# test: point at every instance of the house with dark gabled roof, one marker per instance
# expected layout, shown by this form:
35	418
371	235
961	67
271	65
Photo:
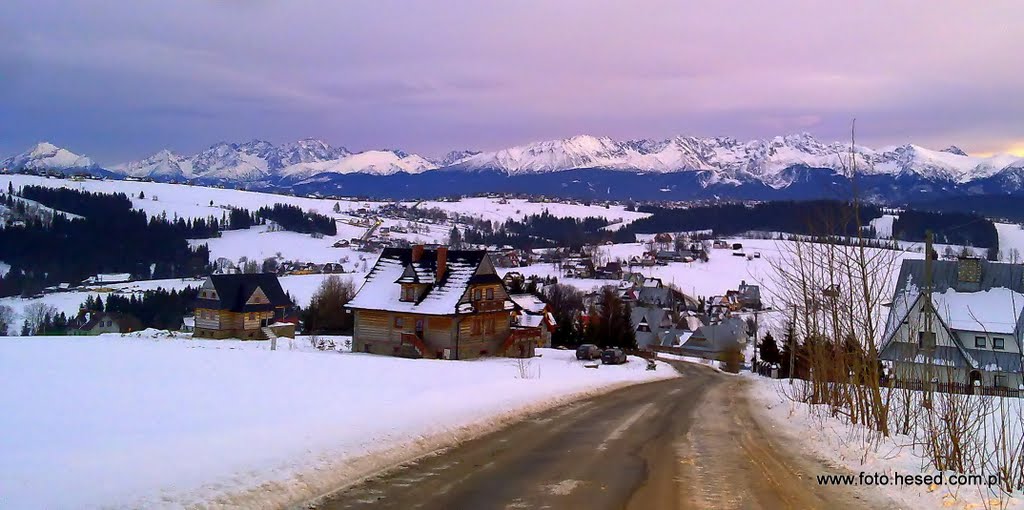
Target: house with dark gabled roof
959	322
434	303
249	306
97	323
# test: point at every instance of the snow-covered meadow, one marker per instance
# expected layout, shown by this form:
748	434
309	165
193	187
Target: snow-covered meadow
188	201
143	422
301	287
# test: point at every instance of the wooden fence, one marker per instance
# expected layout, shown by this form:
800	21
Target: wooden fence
956	388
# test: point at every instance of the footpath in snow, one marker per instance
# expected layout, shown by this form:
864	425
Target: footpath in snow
168	422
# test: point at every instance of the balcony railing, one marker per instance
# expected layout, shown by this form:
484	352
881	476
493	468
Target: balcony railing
493	305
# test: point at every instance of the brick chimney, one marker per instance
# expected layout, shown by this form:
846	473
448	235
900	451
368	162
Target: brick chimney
442	262
417	252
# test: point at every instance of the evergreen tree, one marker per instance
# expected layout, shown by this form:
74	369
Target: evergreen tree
142	195
769	351
455	238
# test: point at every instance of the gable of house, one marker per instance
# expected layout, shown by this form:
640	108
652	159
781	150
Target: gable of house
241	293
970	299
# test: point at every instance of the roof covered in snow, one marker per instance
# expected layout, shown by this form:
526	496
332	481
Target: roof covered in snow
968	296
995	310
382	290
728	335
529	302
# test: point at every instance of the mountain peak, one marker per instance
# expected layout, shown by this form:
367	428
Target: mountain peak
455	157
47	156
42	148
953	149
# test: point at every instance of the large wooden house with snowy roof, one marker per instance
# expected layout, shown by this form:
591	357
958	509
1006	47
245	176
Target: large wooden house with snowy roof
957	323
246	306
434	303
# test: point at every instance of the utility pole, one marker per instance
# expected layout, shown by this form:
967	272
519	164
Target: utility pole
792	347
927	336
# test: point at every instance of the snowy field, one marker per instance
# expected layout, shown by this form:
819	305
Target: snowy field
1011	242
840	444
302	287
194	201
493	210
141	422
257	244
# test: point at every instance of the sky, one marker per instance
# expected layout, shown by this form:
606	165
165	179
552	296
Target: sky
119	80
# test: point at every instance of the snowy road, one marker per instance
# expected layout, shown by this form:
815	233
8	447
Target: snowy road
691	442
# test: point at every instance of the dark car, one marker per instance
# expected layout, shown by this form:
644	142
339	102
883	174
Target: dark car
613	356
588	352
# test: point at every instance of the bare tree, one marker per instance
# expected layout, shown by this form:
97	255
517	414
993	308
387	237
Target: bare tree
7	316
37	315
326	313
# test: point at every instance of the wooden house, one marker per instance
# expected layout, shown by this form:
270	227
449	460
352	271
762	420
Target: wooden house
532	319
247	306
434	303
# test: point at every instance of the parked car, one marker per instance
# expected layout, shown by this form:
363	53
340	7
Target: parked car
588	352
613	356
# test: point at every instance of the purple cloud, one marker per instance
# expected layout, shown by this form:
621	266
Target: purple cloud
119	82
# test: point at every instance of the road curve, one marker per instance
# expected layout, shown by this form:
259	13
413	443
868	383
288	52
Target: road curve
690	442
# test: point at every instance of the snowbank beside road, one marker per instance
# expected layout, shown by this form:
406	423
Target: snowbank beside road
139	422
841	444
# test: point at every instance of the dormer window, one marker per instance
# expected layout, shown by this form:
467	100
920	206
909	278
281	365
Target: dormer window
408	293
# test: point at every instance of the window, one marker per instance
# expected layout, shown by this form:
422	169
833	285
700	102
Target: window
999	381
925	339
409	293
252	316
475	327
979	341
489	326
998	343
490	293
476	294
399	322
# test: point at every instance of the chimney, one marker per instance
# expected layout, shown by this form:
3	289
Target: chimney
442	262
417	252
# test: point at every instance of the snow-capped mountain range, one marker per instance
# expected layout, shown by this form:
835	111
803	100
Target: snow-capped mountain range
713	164
260	161
730	160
